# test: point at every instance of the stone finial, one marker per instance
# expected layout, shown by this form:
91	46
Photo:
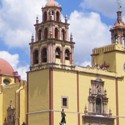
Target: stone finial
37	20
85	110
32	39
66	19
110	112
105	93
71	37
119	14
90	91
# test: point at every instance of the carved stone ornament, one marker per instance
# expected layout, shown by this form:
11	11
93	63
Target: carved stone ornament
97	113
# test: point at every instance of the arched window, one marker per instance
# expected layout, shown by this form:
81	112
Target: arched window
35	57
45	33
45	16
39	34
56	33
57	16
63	34
67	54
58	53
51	13
44	55
98	106
116	37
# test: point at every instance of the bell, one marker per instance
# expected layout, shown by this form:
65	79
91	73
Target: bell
57	53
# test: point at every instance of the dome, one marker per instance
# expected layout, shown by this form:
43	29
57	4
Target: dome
52	3
119	21
5	67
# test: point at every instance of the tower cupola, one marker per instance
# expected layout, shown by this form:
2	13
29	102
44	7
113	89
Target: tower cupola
52	3
118	30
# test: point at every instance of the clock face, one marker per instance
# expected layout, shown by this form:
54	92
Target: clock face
6	81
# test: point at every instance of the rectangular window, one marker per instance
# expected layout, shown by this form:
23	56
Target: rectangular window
64	102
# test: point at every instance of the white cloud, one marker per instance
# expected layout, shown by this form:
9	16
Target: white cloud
22	71
106	7
86	63
14	61
17	37
17	19
89	32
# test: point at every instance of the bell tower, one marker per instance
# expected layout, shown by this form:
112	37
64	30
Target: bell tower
102	57
118	30
51	50
52	45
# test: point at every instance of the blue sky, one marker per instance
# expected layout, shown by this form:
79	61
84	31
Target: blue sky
90	21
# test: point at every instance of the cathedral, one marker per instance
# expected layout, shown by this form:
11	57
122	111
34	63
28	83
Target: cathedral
58	92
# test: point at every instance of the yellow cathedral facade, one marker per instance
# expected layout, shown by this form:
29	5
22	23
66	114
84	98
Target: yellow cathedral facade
58	92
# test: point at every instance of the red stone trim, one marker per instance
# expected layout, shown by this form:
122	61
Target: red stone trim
78	98
51	113
27	98
117	104
19	109
0	79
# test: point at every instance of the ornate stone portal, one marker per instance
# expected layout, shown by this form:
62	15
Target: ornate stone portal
97	113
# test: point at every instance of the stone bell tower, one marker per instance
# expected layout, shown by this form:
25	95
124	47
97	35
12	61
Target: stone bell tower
118	30
50	49
102	57
52	45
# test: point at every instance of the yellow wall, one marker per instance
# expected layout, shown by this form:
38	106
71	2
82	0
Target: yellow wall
21	105
38	88
120	61
121	101
64	83
1	108
108	58
39	119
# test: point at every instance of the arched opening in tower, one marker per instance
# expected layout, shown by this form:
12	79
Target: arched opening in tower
58	53
57	16
35	57
67	54
39	34
63	34
45	16
44	55
56	33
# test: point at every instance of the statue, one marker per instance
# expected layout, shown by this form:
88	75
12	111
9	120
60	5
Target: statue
63	115
11	114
